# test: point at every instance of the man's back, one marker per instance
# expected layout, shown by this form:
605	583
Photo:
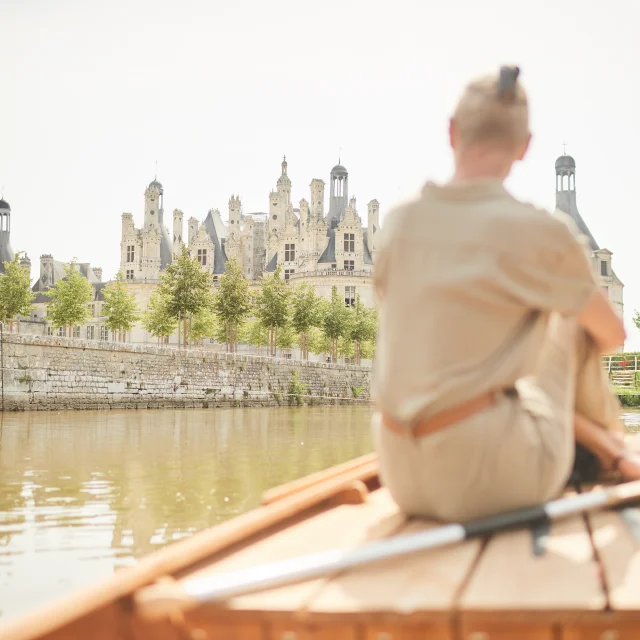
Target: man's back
458	274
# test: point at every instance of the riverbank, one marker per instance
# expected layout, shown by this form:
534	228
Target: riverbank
52	373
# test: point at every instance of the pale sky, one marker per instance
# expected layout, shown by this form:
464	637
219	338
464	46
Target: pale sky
93	93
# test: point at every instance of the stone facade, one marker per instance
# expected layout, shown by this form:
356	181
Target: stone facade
48	373
314	246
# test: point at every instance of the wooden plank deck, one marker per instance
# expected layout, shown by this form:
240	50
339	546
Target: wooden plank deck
493	590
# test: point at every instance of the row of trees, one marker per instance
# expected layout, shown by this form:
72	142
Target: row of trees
69	300
276	316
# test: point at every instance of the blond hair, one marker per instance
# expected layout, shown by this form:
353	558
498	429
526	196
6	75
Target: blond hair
493	108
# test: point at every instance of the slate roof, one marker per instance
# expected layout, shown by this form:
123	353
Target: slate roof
7	254
59	273
367	259
217	233
166	251
329	254
566	201
273	263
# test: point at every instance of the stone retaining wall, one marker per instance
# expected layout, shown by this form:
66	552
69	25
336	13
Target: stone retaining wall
51	373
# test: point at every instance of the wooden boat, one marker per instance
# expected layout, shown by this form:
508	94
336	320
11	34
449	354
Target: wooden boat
585	586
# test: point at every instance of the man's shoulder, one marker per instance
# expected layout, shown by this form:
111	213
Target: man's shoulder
539	221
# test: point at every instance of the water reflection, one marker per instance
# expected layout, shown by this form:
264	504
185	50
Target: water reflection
84	493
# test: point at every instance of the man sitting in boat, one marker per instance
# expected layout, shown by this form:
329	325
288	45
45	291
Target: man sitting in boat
492	325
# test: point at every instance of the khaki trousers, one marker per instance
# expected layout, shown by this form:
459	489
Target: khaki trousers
517	453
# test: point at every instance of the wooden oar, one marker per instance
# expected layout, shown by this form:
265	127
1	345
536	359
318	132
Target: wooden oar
158	600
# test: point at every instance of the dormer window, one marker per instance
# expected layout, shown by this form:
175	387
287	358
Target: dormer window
603	268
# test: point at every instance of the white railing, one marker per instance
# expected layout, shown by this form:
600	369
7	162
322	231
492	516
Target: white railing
621	362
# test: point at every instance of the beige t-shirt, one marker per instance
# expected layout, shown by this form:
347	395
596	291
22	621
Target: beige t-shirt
456	273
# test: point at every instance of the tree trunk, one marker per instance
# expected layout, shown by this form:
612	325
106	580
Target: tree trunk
184	330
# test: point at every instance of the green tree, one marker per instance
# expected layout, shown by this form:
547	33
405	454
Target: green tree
186	287
16	297
363	327
346	347
318	342
69	299
232	302
336	321
287	338
368	349
120	307
273	306
157	319
307	313
255	334
203	324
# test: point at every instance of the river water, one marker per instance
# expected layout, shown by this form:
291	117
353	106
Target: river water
83	493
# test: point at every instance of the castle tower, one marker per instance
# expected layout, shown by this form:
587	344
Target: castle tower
232	246
235	212
317	199
338	194
566	195
25	263
6	250
153	205
284	183
601	257
192	229
177	230
373	225
46	271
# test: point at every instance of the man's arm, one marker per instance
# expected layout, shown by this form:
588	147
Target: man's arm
601	321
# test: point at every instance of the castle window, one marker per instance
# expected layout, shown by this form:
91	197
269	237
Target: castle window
289	252
129	274
603	268
334	266
91	332
49	331
349	296
288	272
349	265
202	257
349	242
104	333
130	253
75	332
61	331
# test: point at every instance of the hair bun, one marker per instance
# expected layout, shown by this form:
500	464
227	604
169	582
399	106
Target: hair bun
507	83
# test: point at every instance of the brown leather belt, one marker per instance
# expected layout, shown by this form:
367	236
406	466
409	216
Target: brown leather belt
444	418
